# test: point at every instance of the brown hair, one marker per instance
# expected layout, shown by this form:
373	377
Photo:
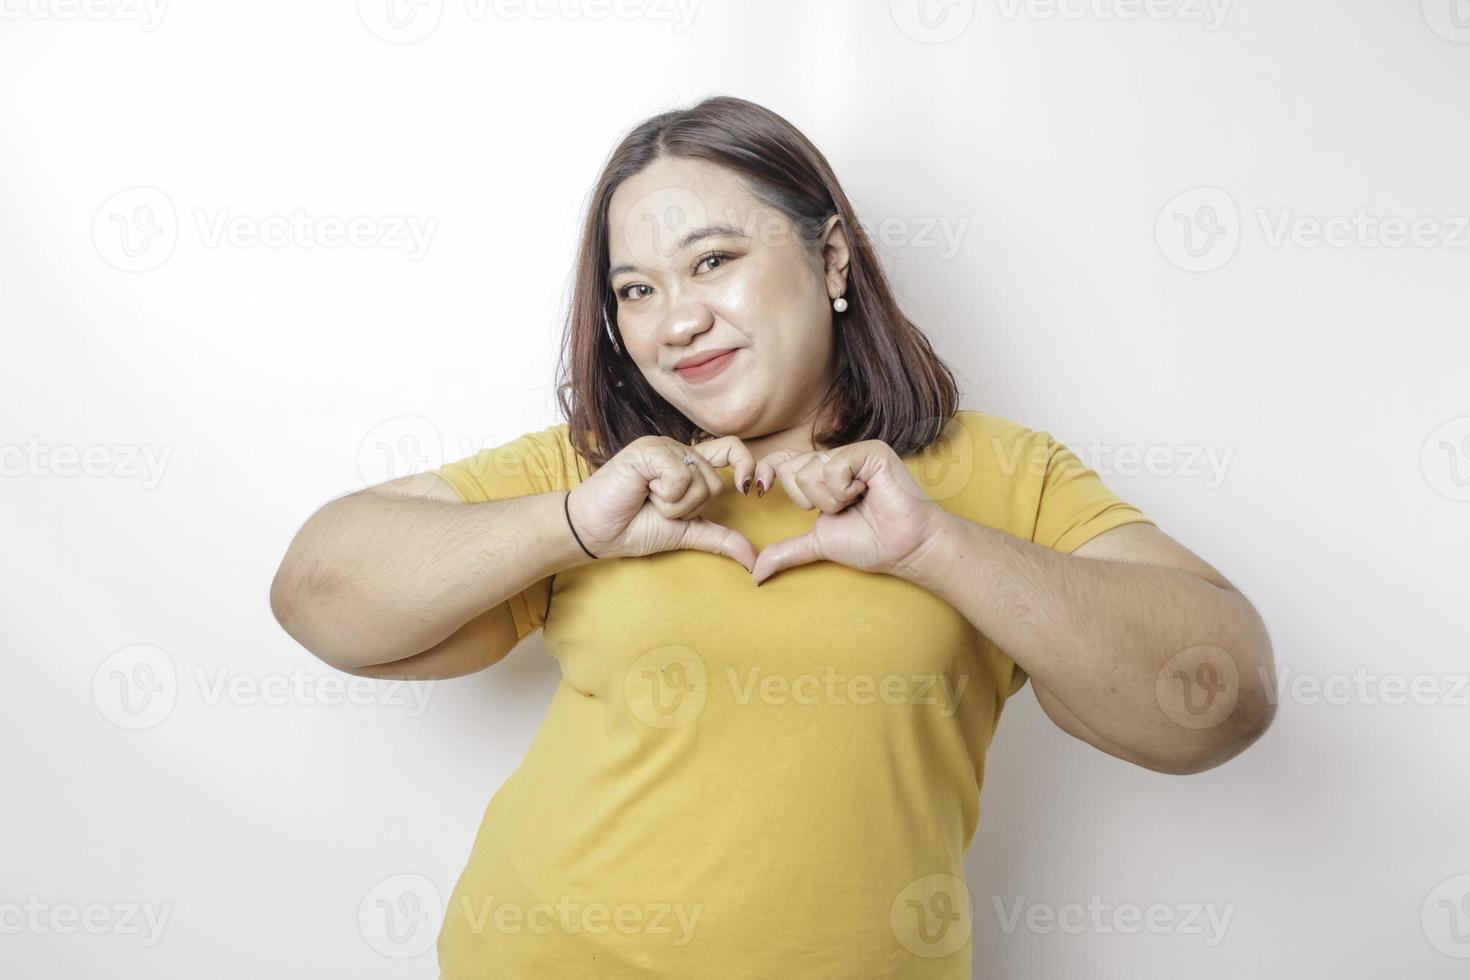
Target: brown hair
887	384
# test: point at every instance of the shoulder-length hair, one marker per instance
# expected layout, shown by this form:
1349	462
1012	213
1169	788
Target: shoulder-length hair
887	383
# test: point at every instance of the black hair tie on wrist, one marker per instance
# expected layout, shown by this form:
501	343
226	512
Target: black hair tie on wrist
566	507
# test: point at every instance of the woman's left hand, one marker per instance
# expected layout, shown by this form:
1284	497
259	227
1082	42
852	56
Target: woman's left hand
874	516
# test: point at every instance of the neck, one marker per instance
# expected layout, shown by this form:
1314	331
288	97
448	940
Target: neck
797	437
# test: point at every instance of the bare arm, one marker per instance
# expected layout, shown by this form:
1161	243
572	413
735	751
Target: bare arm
1133	643
405	579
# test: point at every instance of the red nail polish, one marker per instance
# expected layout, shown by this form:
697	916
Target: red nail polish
745	486
761	484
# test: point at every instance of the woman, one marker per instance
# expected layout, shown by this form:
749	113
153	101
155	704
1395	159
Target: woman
766	752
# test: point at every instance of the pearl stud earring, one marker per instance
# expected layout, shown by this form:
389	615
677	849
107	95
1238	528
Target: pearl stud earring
839	304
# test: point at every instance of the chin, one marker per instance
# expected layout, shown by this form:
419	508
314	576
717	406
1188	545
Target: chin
721	423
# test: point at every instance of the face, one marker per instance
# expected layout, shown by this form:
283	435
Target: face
700	266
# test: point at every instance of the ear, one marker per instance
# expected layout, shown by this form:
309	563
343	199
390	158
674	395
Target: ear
835	256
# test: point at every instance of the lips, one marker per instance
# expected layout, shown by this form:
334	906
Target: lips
697	359
708	367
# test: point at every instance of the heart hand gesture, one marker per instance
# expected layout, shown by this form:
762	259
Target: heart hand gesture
874	516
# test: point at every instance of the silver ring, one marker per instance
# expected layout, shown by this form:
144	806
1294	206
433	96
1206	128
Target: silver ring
688	460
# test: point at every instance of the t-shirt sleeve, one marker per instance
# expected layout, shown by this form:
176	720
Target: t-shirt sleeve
1073	507
536	462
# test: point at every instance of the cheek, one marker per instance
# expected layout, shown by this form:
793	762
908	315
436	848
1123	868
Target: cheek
793	307
772	294
640	342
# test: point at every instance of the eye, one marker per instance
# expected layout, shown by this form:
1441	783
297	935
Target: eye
722	257
718	258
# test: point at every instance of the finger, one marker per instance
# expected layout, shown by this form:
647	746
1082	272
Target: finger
730	451
713	485
786	472
827	478
667	481
812	477
786	553
682	488
706	470
702	534
766	472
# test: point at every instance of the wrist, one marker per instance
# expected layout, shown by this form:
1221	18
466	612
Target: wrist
929	563
584	547
566	504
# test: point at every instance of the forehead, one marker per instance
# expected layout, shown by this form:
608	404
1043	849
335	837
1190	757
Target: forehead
653	209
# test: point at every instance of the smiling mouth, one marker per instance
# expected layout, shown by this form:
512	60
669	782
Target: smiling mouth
707	369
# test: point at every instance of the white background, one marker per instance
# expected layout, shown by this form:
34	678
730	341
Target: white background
1052	143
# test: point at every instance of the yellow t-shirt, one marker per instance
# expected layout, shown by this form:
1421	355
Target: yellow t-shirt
747	782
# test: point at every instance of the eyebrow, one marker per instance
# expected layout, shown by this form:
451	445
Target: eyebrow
697	235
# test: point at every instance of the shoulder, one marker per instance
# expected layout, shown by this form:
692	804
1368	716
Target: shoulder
553	446
536	461
981	461
997	446
573	468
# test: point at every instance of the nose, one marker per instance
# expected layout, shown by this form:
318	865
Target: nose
687	318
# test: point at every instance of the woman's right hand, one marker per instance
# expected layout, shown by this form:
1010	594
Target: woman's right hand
646	500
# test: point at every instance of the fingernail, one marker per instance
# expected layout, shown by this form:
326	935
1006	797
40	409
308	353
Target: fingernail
762	485
746	485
